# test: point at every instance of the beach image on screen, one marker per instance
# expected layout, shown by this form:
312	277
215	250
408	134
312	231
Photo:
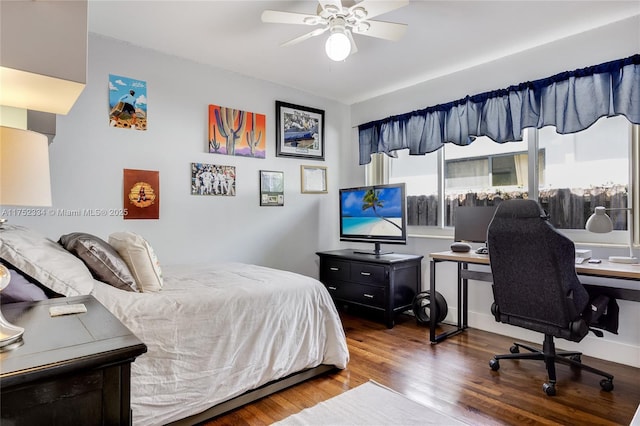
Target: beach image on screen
372	212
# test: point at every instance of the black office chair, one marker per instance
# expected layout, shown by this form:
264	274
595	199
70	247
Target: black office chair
535	286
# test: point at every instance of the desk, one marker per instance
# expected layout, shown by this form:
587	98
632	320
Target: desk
605	269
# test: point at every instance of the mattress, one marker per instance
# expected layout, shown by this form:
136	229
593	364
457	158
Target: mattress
216	331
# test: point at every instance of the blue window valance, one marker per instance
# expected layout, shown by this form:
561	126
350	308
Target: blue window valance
571	101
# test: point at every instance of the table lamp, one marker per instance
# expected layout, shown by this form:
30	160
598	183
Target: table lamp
24	181
600	222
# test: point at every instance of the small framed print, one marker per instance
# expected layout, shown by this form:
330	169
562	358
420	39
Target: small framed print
271	188
299	131
141	194
313	179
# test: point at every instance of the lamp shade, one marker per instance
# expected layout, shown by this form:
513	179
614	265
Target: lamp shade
23	89
43	66
24	168
599	222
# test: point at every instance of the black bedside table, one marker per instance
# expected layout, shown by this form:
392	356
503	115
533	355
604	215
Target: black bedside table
71	369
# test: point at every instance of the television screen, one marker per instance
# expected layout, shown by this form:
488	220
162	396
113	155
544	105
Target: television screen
374	214
471	223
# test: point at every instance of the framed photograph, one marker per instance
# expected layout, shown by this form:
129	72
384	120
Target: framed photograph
213	179
271	188
299	131
313	179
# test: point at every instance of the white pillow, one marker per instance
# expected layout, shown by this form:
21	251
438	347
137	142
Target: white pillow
45	261
140	258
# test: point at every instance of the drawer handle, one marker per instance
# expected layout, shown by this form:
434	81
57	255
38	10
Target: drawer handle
333	268
369	296
366	274
332	288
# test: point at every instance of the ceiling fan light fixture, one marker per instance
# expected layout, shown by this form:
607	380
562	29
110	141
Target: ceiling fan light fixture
338	46
342	19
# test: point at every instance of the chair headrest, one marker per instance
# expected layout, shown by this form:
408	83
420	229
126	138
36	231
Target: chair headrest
520	209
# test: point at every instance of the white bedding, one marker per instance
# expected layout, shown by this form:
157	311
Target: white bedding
218	330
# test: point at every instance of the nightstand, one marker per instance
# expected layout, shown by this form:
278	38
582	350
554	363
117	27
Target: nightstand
71	369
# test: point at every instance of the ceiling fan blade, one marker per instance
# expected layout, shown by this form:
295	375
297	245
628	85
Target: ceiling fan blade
277	17
380	29
304	37
376	7
337	4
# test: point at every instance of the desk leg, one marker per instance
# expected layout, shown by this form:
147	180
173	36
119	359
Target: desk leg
432	291
462	306
465	298
459	282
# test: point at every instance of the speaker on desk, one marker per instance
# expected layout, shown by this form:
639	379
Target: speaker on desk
460	247
422	307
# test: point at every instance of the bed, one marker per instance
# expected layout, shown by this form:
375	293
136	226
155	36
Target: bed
218	334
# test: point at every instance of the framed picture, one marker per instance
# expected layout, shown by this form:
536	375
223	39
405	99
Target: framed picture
313	179
237	132
299	131
141	194
127	103
271	188
213	179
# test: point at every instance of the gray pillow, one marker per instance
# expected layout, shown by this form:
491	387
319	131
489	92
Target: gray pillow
45	261
20	289
103	261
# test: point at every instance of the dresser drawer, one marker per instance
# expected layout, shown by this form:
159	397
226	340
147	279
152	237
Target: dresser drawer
368	274
333	269
357	293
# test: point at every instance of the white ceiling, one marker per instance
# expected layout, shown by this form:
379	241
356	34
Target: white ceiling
442	37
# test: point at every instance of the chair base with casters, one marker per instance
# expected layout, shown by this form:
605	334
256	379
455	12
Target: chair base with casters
550	357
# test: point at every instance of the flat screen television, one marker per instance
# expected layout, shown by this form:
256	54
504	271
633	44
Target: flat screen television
374	214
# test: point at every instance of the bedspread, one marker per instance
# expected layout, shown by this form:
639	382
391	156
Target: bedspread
218	330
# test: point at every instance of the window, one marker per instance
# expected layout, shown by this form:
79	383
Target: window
503	170
574	174
584	170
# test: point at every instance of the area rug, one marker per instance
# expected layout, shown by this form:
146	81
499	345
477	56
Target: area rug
369	404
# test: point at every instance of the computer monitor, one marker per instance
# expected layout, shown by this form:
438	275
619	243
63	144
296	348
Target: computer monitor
471	223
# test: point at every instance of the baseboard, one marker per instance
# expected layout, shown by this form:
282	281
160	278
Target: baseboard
597	347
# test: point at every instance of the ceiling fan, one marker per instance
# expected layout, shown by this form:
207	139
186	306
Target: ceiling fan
342	19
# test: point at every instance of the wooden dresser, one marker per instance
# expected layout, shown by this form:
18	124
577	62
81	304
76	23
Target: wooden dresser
386	283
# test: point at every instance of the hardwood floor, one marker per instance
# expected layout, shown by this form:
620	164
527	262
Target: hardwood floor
454	377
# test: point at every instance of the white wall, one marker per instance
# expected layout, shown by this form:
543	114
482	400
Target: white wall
88	157
608	43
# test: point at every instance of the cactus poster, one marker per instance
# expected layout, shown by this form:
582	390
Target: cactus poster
236	132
